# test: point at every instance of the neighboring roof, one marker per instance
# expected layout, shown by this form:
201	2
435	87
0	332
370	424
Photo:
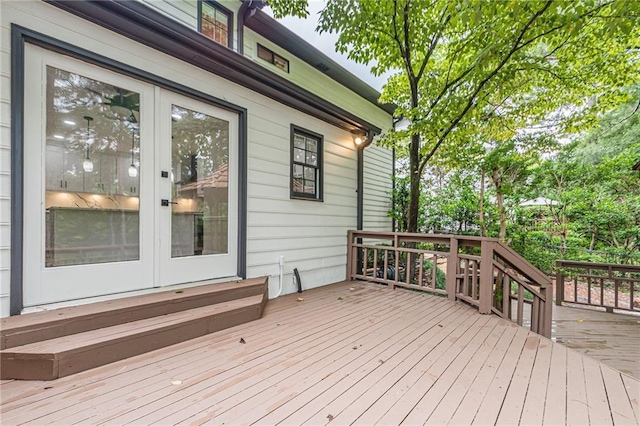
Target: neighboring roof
218	179
274	31
540	201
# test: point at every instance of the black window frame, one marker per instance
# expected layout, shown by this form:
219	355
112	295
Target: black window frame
274	55
220	8
318	196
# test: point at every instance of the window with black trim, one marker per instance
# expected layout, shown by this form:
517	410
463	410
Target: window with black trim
273	58
306	164
216	22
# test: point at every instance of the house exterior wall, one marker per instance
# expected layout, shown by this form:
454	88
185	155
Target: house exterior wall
310	235
300	72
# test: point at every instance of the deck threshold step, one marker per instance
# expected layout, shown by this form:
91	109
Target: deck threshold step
25	329
62	356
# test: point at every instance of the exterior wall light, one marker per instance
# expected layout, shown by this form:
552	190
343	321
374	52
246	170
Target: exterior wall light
358	140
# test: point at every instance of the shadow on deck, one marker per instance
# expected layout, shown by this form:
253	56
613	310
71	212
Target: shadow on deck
348	353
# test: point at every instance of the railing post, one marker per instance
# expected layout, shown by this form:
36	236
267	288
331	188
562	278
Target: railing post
548	311
349	255
486	277
559	284
452	268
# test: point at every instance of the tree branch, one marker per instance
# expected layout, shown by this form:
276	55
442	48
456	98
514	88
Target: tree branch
516	46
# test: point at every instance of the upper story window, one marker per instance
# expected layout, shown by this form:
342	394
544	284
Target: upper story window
273	58
306	164
216	22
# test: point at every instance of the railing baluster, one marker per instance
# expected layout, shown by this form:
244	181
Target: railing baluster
474	280
465	278
520	305
434	272
375	263
589	285
535	315
421	260
397	261
365	261
385	274
408	269
506	295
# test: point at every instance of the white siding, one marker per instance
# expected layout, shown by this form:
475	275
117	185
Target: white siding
310	235
184	11
378	168
300	73
315	81
5	172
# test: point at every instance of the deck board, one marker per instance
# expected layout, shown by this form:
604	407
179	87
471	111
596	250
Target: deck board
417	359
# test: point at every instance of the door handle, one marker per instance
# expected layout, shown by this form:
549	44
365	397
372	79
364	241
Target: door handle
165	203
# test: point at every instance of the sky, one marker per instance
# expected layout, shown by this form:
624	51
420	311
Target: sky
305	28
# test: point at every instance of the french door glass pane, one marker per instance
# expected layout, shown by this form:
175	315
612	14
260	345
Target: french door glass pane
92	171
199	180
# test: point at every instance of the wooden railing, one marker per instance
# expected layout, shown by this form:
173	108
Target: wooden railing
455	266
604	285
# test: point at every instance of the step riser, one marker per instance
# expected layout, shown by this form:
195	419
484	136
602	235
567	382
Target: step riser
24	367
66	327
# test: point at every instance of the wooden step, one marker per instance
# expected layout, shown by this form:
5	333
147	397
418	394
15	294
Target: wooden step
24	329
62	356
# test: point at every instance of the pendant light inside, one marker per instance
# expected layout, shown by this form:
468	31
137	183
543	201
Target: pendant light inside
87	164
133	170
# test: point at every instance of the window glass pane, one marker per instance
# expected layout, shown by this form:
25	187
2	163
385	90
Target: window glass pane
214	24
310	173
200	170
309	187
312	158
265	54
298	141
298	185
297	171
281	63
298	155
312	145
92	163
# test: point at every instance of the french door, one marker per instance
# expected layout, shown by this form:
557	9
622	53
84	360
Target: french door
126	186
198	190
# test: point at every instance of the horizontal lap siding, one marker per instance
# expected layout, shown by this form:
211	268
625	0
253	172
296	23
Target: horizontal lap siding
310	235
5	171
378	168
185	11
315	81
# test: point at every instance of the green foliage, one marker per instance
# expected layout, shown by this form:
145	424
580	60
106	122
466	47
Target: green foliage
441	277
495	65
282	8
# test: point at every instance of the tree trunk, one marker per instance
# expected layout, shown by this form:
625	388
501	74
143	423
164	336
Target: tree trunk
502	235
414	184
483	227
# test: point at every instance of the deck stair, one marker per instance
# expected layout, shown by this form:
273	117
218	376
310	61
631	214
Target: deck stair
53	344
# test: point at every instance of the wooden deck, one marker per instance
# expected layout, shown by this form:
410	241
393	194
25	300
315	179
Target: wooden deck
613	339
368	355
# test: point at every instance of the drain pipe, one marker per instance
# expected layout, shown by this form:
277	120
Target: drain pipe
281	267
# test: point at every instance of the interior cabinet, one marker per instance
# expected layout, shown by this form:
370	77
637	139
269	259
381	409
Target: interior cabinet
110	174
